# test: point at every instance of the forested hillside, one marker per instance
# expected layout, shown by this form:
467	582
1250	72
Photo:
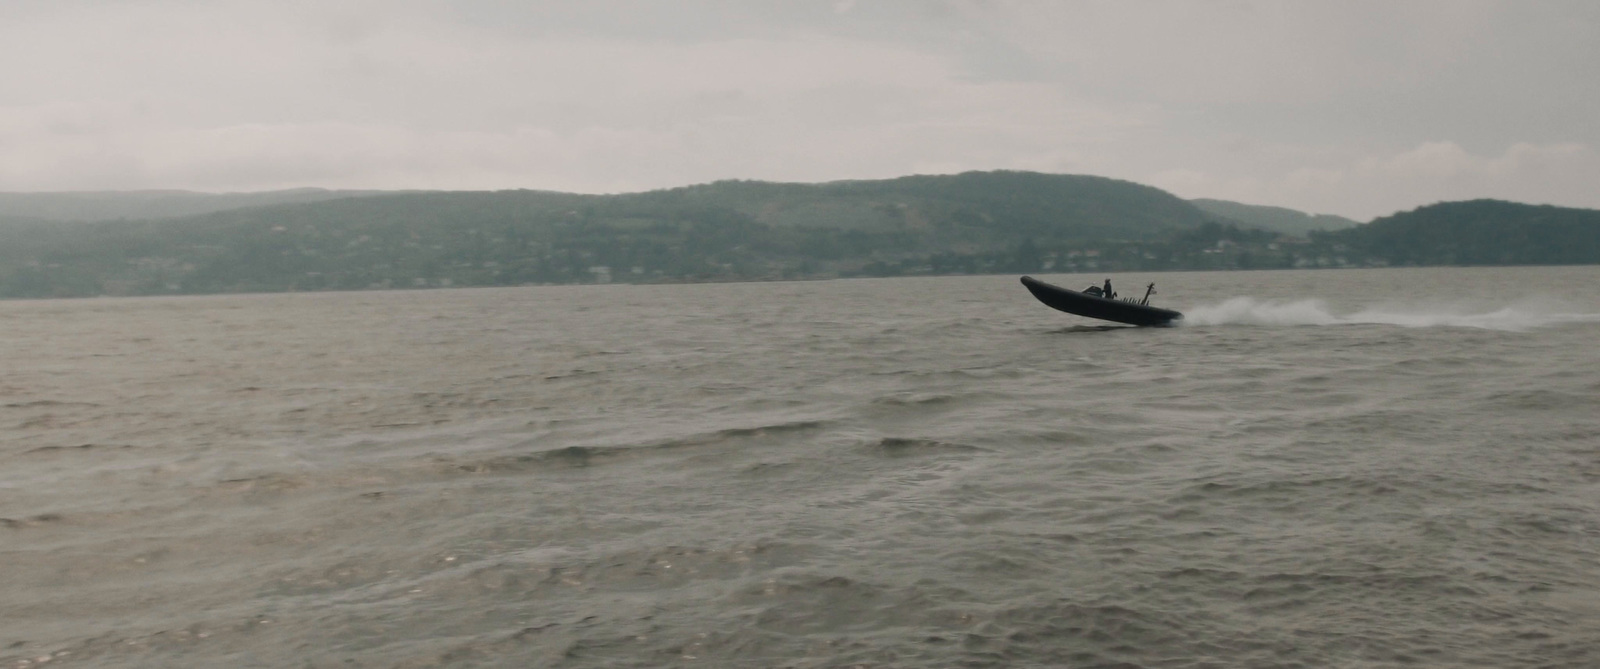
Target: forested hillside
1478	232
993	221
978	222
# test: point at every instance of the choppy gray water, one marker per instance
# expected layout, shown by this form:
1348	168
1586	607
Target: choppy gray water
879	473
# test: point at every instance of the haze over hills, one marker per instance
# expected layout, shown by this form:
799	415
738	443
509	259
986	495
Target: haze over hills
977	222
149	204
774	203
1276	219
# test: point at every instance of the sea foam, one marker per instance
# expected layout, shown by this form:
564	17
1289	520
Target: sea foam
1515	317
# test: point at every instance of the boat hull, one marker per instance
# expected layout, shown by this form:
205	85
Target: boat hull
1090	306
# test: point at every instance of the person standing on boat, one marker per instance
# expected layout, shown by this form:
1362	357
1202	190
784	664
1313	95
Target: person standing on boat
1106	292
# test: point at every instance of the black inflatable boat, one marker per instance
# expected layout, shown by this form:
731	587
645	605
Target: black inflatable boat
1092	305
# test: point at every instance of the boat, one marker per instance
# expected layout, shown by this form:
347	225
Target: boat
1094	305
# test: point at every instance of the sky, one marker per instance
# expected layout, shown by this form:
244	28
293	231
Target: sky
1346	107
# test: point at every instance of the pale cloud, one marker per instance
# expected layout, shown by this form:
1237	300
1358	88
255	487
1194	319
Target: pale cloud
403	106
1351	108
1378	184
1240	52
1446	161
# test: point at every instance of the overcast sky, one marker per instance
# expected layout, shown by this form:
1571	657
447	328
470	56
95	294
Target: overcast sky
1344	107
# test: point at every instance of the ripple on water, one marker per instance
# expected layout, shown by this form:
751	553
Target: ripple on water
805	475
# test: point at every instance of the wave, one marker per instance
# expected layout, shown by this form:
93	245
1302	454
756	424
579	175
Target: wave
1250	311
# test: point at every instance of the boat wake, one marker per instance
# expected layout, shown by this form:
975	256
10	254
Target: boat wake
1250	311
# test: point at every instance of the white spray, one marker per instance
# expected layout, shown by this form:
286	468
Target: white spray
1250	311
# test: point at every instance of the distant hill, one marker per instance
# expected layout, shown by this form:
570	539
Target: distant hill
151	204
982	204
978	221
1479	232
1275	219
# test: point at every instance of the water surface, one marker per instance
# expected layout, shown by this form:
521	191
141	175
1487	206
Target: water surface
1320	468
